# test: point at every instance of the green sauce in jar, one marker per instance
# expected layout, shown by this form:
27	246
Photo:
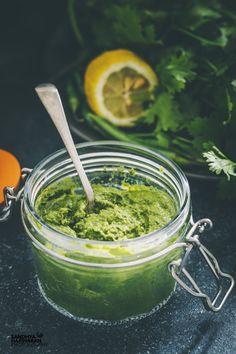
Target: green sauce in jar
120	213
109	264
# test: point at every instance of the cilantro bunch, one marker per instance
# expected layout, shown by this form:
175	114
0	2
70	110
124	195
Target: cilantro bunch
191	44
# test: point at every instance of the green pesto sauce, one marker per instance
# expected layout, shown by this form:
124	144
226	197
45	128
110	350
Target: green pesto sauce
119	213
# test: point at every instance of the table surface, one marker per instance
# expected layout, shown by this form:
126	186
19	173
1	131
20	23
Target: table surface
181	326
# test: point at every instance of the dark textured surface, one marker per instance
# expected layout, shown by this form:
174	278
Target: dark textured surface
181	326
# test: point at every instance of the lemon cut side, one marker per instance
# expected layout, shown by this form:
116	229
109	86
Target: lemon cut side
113	81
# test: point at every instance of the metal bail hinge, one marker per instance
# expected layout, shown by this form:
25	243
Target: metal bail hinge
11	196
178	267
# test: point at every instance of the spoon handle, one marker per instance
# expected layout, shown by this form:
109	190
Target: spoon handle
51	100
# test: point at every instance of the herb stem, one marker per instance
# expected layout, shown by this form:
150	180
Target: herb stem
204	41
73	21
119	135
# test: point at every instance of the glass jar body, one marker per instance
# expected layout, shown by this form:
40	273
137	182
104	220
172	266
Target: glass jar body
105	294
107	281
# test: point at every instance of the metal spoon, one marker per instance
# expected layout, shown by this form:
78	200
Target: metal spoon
51	100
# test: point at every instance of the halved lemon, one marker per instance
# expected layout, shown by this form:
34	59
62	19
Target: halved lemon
114	83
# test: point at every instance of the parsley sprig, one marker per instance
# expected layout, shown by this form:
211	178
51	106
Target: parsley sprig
219	163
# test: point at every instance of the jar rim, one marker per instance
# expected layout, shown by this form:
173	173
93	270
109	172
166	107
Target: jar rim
181	210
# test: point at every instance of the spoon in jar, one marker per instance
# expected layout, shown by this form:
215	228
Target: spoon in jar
51	100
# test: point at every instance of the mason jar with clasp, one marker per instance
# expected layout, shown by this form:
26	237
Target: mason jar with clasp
107	282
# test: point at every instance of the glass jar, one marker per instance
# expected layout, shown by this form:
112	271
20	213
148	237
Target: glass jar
113	281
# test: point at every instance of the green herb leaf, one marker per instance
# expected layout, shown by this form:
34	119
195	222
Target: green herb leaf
166	109
128	25
197	126
219	163
176	68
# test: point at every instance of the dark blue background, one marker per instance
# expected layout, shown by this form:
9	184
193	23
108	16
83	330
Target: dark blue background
182	326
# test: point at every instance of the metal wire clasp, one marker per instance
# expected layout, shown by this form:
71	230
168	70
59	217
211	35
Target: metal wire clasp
11	196
178	267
